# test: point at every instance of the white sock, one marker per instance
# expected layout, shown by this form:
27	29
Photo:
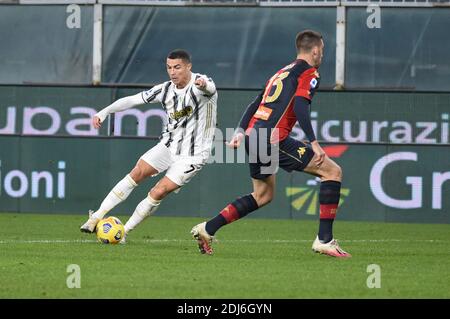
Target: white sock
117	195
144	209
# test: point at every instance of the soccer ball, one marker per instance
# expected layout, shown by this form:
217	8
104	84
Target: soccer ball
110	230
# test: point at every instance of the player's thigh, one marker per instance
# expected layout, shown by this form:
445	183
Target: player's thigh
261	162
158	157
142	170
183	170
329	170
294	155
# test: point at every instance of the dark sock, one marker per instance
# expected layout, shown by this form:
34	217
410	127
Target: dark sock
234	211
328	199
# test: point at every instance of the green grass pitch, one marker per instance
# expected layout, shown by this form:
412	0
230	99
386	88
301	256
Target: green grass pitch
254	258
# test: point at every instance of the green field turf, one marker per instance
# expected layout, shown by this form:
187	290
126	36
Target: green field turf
254	258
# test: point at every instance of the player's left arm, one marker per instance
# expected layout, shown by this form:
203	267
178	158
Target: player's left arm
206	85
302	111
308	83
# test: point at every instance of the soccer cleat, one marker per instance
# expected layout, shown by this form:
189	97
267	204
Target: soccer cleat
331	248
89	226
123	241
204	239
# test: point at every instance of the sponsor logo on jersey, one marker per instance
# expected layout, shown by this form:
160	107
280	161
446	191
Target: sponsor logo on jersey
263	113
181	113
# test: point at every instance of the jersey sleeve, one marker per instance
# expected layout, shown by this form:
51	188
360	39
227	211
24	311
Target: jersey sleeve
308	82
210	88
154	95
302	112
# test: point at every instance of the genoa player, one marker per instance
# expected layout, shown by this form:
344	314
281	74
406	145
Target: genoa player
265	126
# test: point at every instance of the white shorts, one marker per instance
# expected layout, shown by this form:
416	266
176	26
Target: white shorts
180	169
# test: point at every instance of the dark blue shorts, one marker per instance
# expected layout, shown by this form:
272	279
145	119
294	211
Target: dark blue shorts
290	154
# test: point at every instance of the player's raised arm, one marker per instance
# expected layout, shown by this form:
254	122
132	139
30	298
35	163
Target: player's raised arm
119	105
205	85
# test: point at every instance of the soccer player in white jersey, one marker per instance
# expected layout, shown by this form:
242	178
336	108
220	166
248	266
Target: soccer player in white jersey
190	101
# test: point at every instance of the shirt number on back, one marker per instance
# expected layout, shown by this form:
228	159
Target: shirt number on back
277	81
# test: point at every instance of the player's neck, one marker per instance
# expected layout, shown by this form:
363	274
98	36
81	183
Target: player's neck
306	58
182	85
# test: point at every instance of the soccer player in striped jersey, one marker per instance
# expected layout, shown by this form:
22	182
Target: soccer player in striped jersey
265	128
190	101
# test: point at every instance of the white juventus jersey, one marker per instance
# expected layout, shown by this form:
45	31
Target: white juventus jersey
191	116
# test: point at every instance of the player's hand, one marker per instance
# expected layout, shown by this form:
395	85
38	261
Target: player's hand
235	141
200	83
96	122
320	153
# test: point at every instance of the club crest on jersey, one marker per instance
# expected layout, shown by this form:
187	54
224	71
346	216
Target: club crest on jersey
181	113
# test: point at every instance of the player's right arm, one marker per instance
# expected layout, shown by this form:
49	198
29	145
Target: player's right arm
119	105
151	96
243	123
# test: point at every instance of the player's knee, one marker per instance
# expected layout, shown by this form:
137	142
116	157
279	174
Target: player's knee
334	174
137	174
158	192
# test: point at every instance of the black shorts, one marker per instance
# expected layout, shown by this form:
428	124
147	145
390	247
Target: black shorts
290	154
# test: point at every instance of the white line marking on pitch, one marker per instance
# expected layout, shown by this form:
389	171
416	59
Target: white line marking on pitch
274	241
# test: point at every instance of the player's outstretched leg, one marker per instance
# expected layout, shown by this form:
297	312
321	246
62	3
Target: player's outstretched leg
144	209
263	190
204	232
117	195
150	204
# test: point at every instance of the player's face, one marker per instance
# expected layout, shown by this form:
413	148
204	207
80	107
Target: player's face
318	54
179	72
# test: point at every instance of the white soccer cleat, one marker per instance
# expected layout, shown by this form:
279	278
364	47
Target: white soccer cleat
204	240
89	226
331	248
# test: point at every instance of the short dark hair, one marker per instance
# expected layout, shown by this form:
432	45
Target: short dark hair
180	54
306	40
